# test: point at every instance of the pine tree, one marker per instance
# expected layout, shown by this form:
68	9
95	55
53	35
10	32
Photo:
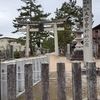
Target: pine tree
31	12
73	13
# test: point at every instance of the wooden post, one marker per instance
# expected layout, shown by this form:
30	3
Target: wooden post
11	82
28	82
45	81
76	80
61	81
11	52
91	80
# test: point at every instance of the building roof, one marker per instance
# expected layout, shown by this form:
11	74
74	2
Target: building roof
7	38
96	27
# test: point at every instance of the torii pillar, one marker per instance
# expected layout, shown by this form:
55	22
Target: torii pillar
27	41
87	30
56	40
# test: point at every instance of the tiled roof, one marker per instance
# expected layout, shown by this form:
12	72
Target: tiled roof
96	27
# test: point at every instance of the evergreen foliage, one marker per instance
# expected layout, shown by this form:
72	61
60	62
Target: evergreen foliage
31	12
16	54
73	13
20	40
48	44
34	12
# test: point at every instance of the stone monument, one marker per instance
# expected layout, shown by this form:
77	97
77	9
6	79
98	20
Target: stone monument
77	54
87	30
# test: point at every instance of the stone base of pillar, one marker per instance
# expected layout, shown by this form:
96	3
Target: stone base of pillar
77	55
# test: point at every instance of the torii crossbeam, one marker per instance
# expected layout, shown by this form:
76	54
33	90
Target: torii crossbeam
55	29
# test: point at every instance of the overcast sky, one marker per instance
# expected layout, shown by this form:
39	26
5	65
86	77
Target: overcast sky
8	11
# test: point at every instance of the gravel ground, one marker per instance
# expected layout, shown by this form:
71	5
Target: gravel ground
53	87
55	59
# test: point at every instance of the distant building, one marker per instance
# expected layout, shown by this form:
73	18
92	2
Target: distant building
4	44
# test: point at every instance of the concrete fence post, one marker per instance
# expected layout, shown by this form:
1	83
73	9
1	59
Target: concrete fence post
48	57
76	80
45	81
36	70
91	80
61	81
11	82
28	82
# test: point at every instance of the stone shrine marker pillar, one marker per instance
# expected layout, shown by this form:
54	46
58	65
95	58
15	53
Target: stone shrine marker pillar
87	30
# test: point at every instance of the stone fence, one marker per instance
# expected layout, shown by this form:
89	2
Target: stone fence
14	74
61	81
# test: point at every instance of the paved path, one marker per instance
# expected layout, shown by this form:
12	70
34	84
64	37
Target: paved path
54	59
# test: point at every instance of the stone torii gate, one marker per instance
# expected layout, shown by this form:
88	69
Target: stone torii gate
55	29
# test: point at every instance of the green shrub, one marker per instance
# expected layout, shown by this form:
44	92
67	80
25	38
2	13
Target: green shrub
16	54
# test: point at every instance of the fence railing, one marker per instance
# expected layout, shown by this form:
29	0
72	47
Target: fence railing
61	81
13	75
